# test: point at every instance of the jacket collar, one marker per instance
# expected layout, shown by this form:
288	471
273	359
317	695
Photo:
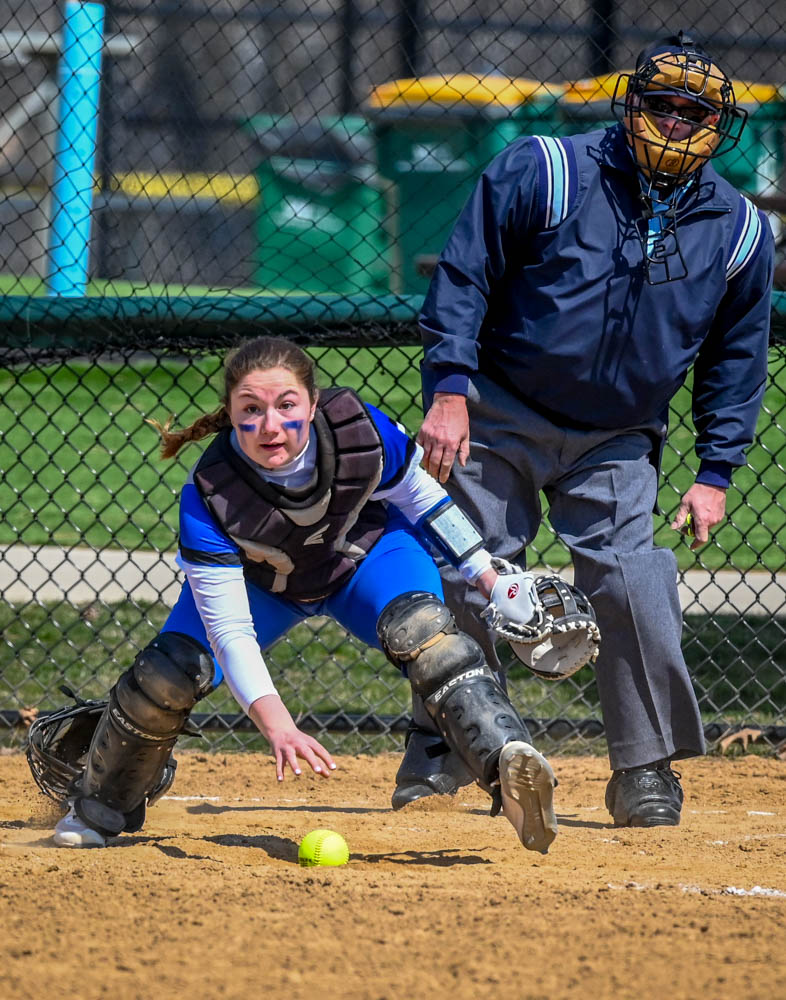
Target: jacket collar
613	150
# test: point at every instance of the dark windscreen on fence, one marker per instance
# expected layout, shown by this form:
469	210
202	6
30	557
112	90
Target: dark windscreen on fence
178	177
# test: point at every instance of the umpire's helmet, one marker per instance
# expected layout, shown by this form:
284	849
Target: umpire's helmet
671	139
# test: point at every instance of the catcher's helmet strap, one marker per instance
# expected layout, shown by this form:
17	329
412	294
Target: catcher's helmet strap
673	43
78	699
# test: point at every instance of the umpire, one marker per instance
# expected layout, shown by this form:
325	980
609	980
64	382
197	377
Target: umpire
583	278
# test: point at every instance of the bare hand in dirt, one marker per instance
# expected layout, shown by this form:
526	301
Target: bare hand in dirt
445	434
287	742
289	746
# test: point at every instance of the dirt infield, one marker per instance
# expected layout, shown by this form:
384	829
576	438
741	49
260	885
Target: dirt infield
438	900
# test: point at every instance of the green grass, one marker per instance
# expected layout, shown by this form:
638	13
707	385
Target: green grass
735	663
85	465
81	466
317	667
120	288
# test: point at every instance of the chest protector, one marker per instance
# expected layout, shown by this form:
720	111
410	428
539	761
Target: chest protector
302	543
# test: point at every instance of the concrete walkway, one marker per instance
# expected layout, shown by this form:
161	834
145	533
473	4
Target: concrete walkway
82	576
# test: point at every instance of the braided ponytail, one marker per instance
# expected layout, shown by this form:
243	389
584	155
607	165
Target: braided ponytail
203	426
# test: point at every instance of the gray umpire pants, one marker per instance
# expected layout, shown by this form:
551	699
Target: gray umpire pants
601	490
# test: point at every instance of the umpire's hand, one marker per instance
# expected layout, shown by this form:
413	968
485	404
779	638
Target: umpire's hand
445	434
702	507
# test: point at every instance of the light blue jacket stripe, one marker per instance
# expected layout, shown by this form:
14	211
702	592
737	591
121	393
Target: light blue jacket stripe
557	185
747	242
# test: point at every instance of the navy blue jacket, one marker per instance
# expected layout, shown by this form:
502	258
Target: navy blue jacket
542	287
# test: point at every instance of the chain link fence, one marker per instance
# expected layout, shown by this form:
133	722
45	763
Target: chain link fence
176	177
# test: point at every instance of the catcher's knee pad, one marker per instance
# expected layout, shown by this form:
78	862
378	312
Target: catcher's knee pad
173	672
447	669
130	754
410	623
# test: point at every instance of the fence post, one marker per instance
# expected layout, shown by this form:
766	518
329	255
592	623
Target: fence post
409	20
602	37
79	83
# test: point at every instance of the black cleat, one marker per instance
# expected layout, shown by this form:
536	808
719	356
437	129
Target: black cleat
421	774
433	784
648	795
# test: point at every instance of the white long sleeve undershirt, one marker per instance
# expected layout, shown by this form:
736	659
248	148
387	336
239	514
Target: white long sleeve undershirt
415	495
222	601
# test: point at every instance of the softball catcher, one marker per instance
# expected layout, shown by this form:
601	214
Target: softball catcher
309	503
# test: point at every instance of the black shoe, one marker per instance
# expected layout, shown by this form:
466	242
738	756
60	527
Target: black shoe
421	774
432	784
649	795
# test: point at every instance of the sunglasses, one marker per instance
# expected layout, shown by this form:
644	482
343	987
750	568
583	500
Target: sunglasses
695	113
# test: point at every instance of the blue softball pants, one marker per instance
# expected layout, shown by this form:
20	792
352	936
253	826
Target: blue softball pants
398	563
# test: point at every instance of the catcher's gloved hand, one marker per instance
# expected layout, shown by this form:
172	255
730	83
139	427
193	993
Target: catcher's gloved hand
57	745
569	639
515	610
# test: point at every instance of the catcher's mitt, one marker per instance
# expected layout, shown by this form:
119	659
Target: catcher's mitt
57	745
515	610
569	639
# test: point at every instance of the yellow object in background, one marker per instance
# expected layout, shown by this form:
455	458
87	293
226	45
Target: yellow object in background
462	88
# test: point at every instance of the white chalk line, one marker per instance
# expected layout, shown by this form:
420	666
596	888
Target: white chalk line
724	812
220	798
272	802
756	890
728	890
190	798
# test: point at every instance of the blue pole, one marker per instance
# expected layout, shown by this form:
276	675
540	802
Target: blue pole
79	80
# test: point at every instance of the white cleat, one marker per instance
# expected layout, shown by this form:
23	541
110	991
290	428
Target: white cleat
527	785
71	831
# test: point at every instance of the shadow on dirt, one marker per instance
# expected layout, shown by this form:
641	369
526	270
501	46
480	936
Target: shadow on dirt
279	848
441	859
208	809
584	824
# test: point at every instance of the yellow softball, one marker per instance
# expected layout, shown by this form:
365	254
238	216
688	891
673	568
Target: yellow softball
322	847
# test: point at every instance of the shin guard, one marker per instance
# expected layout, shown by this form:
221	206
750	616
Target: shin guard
129	761
447	669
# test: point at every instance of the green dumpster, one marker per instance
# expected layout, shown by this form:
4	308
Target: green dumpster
434	136
321	218
754	166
